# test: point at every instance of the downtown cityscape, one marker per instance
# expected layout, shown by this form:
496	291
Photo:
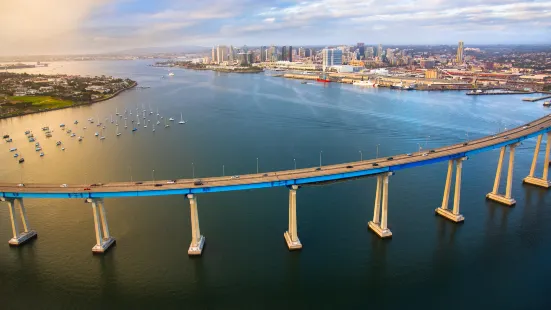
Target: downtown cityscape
326	154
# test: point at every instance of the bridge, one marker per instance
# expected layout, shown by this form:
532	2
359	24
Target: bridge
381	168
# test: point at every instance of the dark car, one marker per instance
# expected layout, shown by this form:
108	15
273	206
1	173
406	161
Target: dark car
432	151
265	175
466	143
198	182
375	164
390	158
158	185
318	168
87	189
139	183
349	167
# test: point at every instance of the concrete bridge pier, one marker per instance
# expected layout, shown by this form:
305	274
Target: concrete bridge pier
291	235
543	181
379	223
443	210
494	195
19	237
197	240
104	240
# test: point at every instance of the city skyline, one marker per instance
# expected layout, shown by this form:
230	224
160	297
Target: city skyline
99	26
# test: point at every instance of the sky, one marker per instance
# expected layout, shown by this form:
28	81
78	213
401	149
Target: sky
38	27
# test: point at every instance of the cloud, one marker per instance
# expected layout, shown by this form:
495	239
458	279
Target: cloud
75	26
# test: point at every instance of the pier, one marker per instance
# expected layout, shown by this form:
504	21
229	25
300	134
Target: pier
384	169
536	99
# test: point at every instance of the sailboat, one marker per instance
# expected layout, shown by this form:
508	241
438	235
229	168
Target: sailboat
157	111
125	126
111	118
138	119
102	137
171	119
158	119
118	133
116	111
181	119
153	127
166	124
150	112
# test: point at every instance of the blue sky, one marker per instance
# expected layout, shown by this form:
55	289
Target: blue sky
82	26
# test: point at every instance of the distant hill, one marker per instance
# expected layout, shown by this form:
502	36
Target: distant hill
166	49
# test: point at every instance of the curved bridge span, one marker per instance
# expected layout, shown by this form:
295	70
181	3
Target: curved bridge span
382	168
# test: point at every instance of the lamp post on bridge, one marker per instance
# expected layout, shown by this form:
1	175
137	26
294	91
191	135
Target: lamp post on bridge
320	157
295	161
377	156
223	171
426	141
257	165
153	175
193	170
361	156
419	144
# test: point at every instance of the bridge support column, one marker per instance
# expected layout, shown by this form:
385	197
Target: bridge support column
27	234
443	210
379	223
291	235
197	240
494	195
543	181
104	240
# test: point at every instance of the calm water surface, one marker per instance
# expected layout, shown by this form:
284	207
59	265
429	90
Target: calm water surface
499	258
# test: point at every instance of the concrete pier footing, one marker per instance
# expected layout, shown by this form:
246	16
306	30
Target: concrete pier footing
27	234
380	211
291	235
104	240
543	181
443	211
494	195
197	240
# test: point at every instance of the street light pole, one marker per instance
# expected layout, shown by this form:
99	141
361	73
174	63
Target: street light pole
153	175
295	161
377	151
257	165
193	170
419	144
223	171
361	156
426	141
320	158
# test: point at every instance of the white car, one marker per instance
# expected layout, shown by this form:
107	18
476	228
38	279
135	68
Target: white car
425	154
21	185
170	182
63	185
235	177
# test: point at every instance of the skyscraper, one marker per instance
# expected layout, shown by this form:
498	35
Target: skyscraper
301	52
380	51
284	53
214	55
263	54
331	57
459	58
290	54
272	53
369	52
361	50
222	53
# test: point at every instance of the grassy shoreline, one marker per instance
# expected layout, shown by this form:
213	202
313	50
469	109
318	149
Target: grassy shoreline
60	104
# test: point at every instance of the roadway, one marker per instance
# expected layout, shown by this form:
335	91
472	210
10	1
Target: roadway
302	176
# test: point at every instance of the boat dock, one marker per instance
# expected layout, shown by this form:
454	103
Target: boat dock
536	98
499	93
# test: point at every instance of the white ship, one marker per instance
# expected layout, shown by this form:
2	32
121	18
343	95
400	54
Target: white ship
367	83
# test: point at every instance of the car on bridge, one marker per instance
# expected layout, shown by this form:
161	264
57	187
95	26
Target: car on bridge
198	182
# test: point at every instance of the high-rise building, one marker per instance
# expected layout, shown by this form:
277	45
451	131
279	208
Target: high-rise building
369	52
231	54
284	52
331	57
380	51
460	58
263	54
271	53
309	52
361	50
290	53
222	53
214	55
302	52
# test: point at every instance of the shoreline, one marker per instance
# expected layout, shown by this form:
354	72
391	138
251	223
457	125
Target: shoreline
76	104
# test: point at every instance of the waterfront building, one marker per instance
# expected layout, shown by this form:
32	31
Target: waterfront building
214	56
361	50
263	54
231	54
222	53
369	53
290	53
331	57
302	52
460	57
380	51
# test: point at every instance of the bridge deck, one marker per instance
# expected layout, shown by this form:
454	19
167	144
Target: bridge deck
280	178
